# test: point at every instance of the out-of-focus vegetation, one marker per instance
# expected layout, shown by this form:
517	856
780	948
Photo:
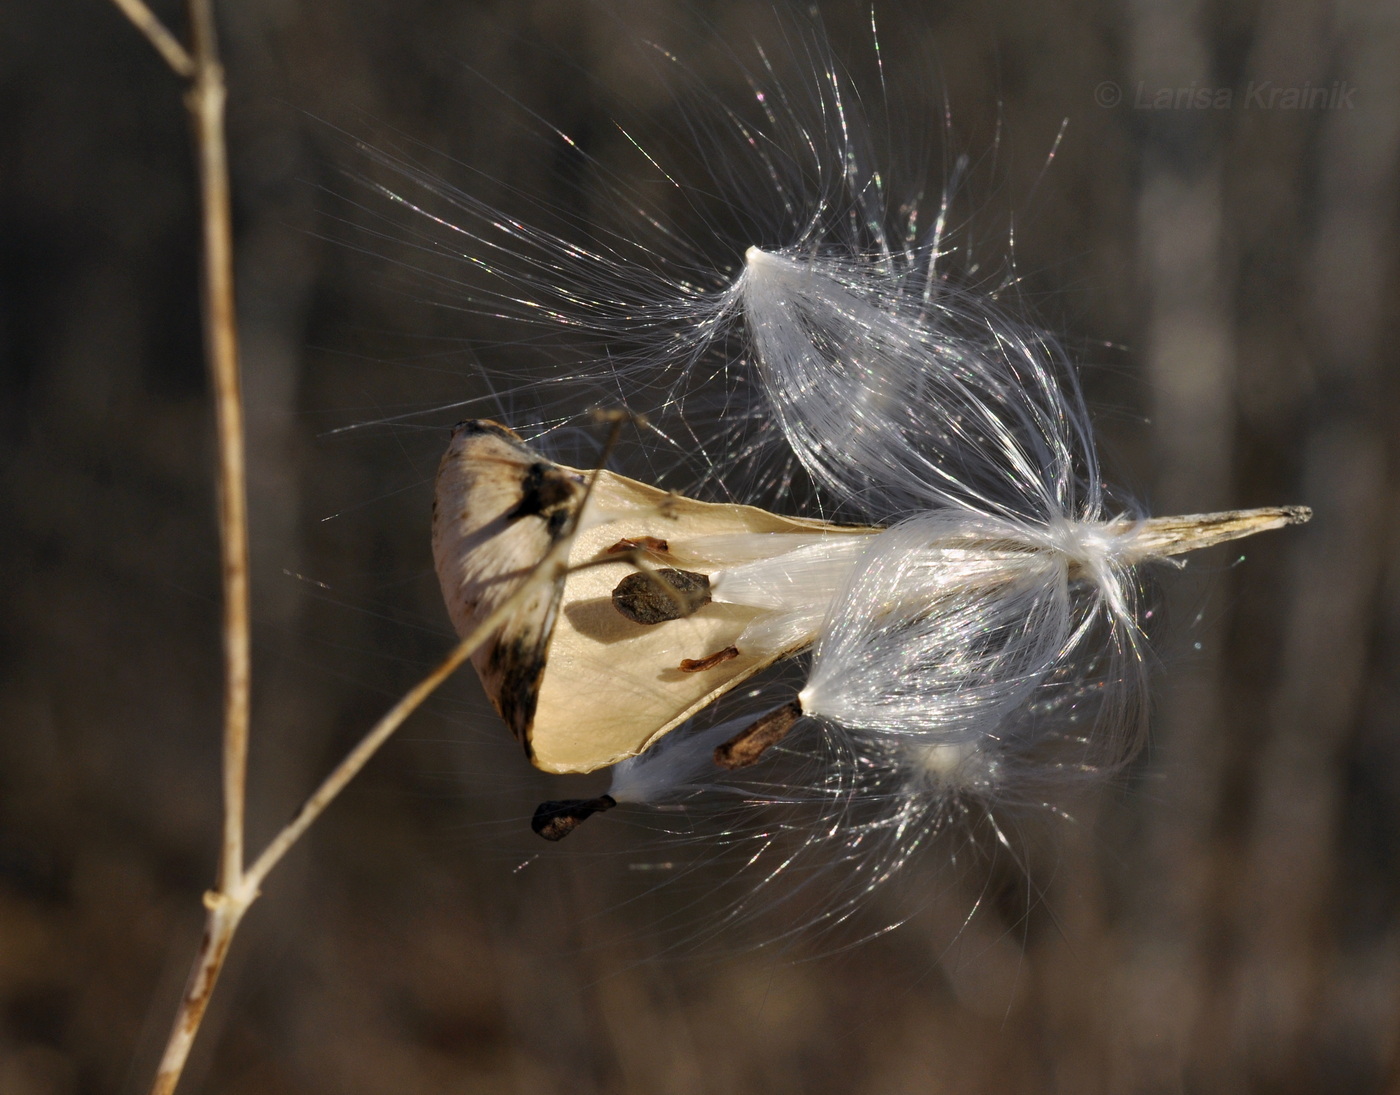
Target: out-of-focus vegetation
1227	920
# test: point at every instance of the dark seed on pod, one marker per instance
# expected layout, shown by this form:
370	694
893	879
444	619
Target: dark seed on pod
655	596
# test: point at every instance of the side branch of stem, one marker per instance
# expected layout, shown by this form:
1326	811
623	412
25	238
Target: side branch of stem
165	43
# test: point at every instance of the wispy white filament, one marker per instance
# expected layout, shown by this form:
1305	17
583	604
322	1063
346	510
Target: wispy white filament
943	644
902	395
987	643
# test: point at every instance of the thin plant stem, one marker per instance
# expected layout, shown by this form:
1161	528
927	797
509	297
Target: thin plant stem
235	888
226	908
206	99
550	568
166	44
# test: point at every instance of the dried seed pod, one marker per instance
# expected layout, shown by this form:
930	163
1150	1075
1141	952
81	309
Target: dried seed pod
580	684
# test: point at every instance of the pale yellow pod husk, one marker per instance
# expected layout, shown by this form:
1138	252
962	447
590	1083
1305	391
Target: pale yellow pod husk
612	686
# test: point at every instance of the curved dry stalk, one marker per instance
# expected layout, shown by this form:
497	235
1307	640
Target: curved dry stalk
226	906
549	569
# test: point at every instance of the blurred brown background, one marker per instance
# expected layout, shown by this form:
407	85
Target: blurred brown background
1229	920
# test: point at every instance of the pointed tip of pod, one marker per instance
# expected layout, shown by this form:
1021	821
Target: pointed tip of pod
1159	537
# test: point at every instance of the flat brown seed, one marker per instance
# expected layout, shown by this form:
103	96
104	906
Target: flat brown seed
699	665
655	596
556	820
653	544
745	747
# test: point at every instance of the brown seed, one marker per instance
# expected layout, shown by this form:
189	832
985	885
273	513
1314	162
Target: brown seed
556	820
699	665
745	747
655	596
653	544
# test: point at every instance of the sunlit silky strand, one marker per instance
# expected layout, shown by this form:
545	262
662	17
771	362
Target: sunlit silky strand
943	645
976	636
1005	587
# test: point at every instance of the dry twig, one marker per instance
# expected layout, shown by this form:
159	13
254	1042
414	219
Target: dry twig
166	44
237	886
